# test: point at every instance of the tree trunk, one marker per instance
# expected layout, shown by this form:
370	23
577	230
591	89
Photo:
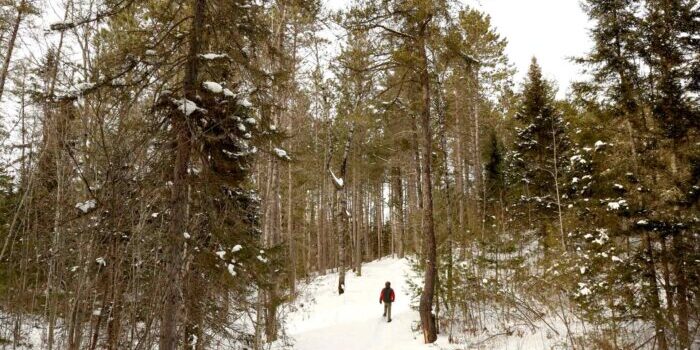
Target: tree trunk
290	234
556	187
342	215
419	180
178	201
378	212
653	295
459	181
357	222
11	46
398	212
426	300
682	290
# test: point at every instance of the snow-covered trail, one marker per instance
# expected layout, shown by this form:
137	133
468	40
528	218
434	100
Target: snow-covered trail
324	320
353	321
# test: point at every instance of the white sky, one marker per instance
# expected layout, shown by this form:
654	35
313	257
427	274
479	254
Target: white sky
551	30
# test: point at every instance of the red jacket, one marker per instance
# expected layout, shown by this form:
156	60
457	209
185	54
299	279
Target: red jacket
382	296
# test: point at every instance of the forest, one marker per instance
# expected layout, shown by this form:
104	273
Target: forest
178	174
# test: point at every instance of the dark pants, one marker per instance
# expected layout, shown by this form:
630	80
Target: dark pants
387	310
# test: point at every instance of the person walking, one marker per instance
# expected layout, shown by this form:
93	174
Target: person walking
387	297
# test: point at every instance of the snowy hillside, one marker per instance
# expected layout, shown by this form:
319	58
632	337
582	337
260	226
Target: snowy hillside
353	321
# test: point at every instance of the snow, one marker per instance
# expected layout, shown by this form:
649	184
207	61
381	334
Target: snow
615	205
186	106
262	259
101	261
237	248
221	254
186	235
603	236
245	103
325	320
231	270
213	87
87	205
599	144
354	319
213	56
228	93
577	158
281	153
80	88
338	181
583	289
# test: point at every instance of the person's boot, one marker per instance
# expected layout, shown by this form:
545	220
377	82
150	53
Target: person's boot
384	314
389	320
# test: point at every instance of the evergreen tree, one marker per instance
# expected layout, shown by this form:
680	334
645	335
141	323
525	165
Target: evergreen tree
540	153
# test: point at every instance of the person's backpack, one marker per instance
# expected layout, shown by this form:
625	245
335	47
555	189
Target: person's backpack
386	295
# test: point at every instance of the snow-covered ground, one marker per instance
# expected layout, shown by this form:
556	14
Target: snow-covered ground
353	321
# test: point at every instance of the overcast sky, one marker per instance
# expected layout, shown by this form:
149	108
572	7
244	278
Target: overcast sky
551	30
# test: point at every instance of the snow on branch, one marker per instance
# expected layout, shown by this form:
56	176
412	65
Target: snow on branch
187	107
213	56
87	205
338	182
213	87
282	154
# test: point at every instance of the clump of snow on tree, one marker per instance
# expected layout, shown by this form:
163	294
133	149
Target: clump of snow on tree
599	145
213	87
87	205
337	181
282	154
213	56
186	106
245	103
583	289
616	205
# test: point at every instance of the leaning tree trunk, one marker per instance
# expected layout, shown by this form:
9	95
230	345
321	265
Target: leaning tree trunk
178	198
11	46
556	186
426	300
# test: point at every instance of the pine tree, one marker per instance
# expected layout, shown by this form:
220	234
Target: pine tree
540	154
